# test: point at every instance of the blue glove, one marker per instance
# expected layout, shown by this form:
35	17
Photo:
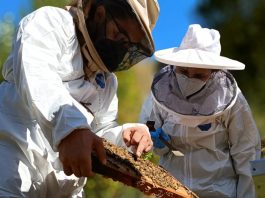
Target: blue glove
155	137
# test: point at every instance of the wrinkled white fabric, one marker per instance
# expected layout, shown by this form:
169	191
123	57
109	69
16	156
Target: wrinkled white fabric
44	98
206	167
199	48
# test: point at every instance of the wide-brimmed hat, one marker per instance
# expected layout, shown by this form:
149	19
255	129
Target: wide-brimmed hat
147	12
200	48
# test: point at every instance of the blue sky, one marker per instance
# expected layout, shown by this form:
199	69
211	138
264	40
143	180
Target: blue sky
14	7
175	17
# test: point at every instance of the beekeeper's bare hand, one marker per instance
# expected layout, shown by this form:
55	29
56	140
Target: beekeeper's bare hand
139	138
75	152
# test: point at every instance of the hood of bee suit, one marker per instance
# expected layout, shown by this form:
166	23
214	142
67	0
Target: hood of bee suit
146	11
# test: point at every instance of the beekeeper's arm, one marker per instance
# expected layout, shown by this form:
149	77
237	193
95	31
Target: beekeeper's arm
105	125
151	112
245	147
43	40
134	136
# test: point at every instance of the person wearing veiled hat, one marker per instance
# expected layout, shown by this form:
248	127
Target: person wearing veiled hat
197	106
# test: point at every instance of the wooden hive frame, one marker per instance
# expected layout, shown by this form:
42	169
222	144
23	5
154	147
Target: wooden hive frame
139	173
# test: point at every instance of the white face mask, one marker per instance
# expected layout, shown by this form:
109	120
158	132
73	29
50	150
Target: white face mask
189	86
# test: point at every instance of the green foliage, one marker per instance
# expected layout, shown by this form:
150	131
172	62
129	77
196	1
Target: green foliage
134	86
100	187
151	157
148	156
41	3
6	33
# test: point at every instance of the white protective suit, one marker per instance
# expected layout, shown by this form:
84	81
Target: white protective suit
214	129
34	120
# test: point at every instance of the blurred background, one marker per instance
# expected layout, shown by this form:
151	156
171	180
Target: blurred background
240	23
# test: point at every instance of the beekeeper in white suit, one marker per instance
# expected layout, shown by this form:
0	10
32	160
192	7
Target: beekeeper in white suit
199	107
59	94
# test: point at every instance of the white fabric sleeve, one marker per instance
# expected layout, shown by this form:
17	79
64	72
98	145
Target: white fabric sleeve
146	110
245	145
150	111
39	48
108	126
106	123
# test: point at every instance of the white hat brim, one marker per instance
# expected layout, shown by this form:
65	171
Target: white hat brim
196	59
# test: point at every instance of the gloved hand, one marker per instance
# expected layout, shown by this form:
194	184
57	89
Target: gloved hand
157	143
